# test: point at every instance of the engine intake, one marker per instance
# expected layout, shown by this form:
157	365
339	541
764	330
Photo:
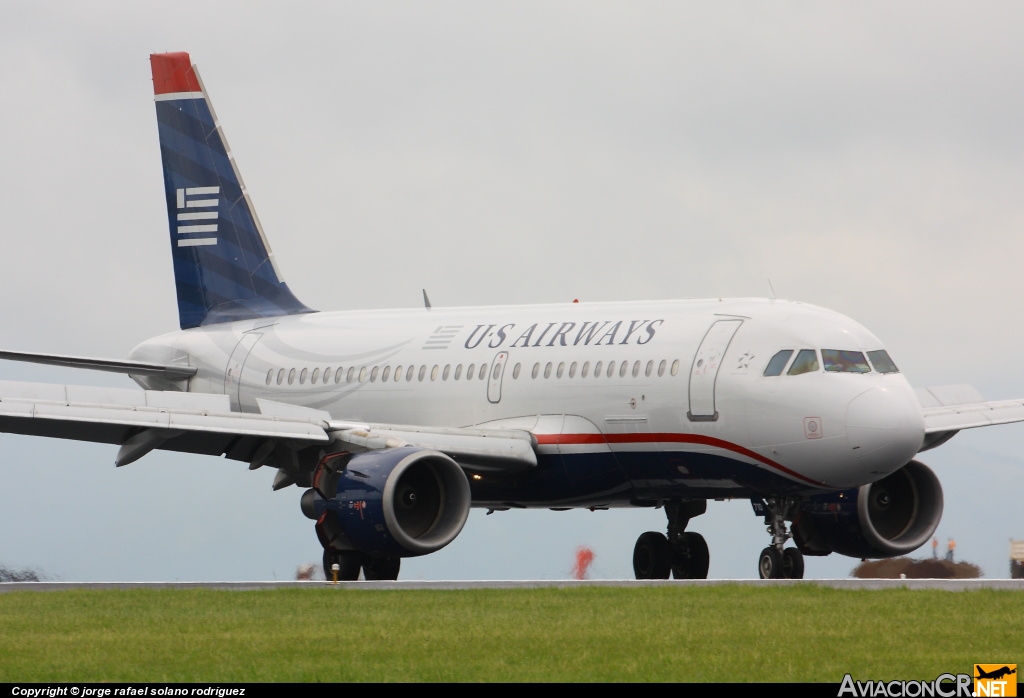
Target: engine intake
399	502
888	518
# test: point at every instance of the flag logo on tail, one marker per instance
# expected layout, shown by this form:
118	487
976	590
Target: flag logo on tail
197	216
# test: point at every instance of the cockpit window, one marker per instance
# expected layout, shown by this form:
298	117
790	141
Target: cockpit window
805	362
841	361
881	361
778	363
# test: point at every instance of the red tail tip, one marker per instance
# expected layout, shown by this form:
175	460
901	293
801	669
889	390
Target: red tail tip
172	72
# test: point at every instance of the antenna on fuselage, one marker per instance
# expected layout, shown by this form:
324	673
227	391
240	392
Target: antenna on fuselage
426	300
769	286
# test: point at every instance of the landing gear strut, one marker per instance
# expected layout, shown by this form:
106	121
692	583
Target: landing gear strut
350	562
778	561
682	554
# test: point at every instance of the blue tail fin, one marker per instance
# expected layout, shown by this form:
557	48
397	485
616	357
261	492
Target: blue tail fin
223	267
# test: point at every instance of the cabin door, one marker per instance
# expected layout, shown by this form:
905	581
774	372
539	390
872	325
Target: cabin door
495	376
704	371
233	372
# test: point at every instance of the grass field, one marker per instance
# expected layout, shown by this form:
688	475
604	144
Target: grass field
673	633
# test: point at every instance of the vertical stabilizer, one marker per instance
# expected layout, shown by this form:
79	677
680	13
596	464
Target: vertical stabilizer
223	267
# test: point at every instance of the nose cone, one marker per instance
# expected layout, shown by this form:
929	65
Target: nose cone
885	429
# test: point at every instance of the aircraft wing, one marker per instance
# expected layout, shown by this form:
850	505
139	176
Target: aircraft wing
142	420
948	409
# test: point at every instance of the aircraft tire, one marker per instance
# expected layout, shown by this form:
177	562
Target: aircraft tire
349	563
792	563
769	565
652	556
693	560
381	568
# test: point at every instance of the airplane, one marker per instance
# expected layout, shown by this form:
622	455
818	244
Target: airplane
996	673
394	423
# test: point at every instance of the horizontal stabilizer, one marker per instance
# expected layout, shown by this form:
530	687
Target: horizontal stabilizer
171	372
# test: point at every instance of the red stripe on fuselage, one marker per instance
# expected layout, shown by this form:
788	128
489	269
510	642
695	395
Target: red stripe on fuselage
172	72
583	439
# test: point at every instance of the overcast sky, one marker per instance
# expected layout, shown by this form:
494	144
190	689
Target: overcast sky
867	157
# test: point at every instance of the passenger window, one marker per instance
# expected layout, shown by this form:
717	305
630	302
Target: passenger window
483	371
636	369
675	367
327	374
572	370
661	368
561	370
536	370
881	361
623	369
349	377
433	373
805	362
291	376
547	370
778	363
649	369
302	376
447	372
458	372
270	376
387	374
597	370
408	373
586	369
362	374
515	371
611	369
373	374
398	373
840	361
470	372
423	372
315	376
497	372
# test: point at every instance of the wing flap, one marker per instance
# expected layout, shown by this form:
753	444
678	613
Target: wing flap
493	451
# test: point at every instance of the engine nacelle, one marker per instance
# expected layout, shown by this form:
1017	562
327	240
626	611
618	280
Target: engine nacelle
891	517
395	502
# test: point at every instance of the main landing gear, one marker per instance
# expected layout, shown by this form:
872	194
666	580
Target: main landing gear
778	561
682	554
351	562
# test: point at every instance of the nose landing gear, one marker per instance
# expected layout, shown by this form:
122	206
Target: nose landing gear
777	561
682	554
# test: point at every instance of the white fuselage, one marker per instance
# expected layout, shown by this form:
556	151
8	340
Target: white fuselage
662	399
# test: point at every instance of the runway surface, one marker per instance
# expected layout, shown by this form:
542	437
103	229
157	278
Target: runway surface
943	584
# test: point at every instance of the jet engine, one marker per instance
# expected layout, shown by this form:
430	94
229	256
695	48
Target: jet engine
396	502
890	517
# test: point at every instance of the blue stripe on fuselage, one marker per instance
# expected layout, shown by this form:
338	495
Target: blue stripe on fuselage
622	477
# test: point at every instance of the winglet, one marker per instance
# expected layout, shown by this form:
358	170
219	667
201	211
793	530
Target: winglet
426	300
